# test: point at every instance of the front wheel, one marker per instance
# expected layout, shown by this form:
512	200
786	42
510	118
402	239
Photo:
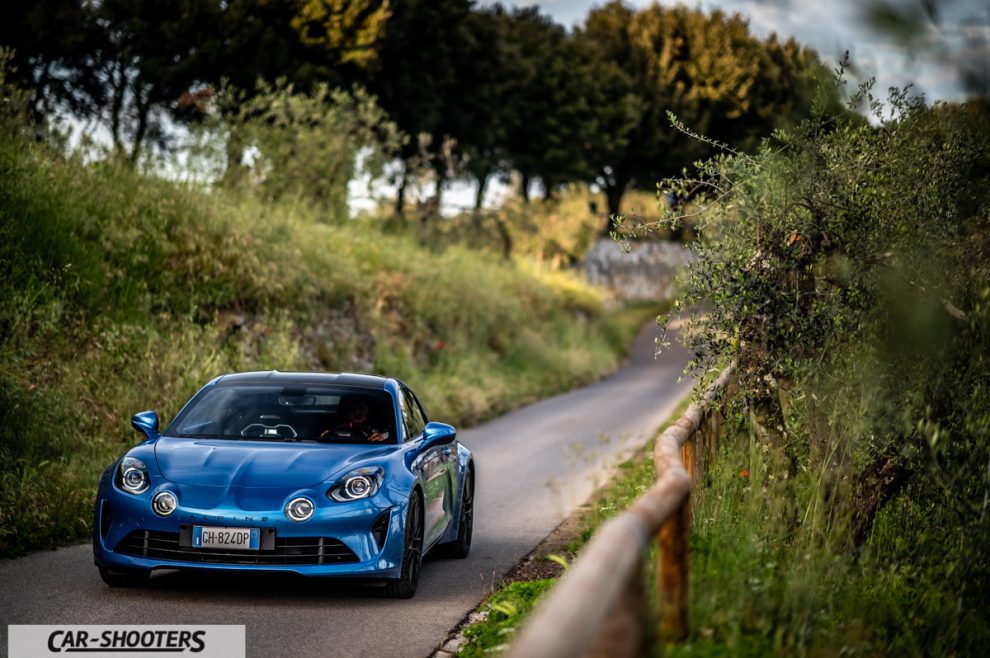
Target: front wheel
124	577
404	587
460	547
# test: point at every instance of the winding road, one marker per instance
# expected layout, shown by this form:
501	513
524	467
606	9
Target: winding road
535	466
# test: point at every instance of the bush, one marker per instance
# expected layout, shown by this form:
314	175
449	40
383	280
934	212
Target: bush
845	268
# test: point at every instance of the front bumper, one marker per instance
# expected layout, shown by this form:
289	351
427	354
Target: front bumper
355	539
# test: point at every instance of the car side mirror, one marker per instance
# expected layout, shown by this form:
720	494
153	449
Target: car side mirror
435	434
146	422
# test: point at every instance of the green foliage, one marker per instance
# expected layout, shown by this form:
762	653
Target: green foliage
13	100
504	612
761	585
424	50
305	146
344	27
482	91
845	269
706	68
552	233
122	293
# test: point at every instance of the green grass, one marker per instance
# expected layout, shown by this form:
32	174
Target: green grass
504	612
507	609
122	293
774	571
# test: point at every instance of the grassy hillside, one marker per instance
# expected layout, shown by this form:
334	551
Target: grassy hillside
121	293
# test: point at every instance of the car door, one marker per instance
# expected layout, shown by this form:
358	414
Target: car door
431	465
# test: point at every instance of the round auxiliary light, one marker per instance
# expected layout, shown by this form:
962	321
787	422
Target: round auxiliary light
300	509
164	503
358	486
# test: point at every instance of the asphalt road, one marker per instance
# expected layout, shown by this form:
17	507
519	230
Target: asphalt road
535	465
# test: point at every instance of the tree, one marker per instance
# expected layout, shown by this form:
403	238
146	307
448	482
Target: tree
308	145
485	80
349	29
146	56
415	77
705	68
49	38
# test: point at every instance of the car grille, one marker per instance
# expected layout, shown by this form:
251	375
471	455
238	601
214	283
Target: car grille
288	550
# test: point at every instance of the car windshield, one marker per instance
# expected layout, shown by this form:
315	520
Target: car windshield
324	414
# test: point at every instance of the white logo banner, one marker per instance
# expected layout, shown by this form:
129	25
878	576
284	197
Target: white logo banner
29	641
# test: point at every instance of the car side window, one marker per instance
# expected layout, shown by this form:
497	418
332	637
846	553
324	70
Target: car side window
408	423
412	416
417	408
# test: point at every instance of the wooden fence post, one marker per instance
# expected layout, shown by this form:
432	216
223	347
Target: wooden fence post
598	606
672	572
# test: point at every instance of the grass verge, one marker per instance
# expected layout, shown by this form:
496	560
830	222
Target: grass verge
503	612
772	568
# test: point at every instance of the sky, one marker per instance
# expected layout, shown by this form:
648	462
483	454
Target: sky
831	27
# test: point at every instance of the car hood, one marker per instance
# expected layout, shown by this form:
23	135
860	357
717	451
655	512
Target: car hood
229	463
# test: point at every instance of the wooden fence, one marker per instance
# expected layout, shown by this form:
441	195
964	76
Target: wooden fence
599	607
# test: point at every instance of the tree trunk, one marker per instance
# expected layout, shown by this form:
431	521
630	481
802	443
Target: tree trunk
400	195
878	483
524	186
479	198
613	196
233	173
438	192
504	235
143	109
116	107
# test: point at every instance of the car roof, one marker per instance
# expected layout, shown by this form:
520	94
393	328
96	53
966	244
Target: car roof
310	378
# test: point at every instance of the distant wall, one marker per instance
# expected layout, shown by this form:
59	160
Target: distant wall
646	272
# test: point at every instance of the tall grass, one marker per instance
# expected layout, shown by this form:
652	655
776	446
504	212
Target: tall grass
122	293
774	570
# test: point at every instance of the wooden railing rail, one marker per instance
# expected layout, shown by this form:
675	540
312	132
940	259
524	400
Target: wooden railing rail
599	607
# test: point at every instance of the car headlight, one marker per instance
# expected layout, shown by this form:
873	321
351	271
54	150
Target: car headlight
164	503
358	484
132	476
300	509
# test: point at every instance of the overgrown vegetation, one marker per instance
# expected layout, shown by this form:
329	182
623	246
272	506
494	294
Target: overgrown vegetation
846	269
121	293
762	584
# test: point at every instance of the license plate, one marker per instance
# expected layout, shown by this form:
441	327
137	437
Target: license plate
245	539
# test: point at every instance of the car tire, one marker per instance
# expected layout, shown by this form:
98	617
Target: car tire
124	577
404	587
461	547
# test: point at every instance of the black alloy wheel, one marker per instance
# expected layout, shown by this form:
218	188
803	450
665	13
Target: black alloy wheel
404	587
460	547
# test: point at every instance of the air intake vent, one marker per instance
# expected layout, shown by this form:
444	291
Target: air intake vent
106	517
288	550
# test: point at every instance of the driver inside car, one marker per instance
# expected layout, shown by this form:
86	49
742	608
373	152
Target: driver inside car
356	425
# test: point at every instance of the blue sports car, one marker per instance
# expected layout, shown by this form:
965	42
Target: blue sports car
317	474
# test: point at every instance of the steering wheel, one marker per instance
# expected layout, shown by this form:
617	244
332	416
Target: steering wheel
344	432
270	428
